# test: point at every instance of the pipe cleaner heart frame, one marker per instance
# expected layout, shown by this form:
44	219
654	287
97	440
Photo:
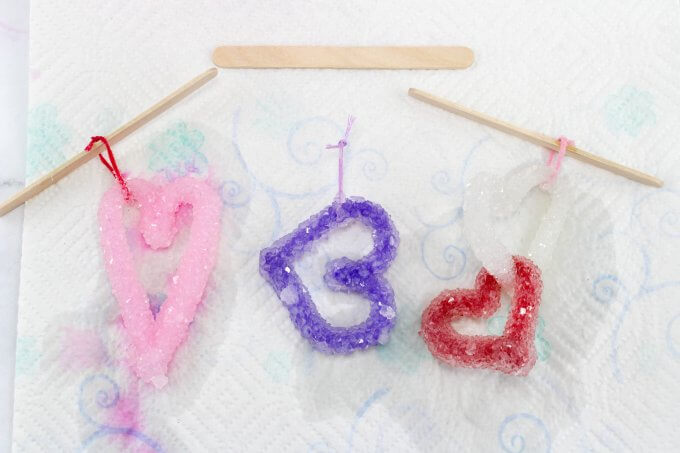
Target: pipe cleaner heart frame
488	198
153	339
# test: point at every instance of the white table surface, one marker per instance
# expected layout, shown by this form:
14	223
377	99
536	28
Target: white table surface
13	104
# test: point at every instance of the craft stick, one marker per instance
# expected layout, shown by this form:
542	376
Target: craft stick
536	138
332	57
119	134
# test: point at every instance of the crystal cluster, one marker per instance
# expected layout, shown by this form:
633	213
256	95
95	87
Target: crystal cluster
154	337
362	277
512	352
489	198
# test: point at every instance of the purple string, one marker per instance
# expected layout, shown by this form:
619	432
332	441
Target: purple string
340	146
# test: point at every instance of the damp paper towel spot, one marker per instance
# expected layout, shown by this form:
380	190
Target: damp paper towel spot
608	334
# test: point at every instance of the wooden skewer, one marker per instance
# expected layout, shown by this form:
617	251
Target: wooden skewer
535	137
81	158
334	57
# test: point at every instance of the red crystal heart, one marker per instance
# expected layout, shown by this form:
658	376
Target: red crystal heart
512	352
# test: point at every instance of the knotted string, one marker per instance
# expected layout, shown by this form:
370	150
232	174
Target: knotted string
340	146
564	143
110	164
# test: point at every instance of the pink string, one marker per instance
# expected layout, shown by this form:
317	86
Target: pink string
564	143
340	146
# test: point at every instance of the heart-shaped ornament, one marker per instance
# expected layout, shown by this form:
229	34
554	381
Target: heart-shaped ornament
363	277
512	352
488	198
153	339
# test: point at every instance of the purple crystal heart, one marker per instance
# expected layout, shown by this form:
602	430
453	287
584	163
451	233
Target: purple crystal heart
363	277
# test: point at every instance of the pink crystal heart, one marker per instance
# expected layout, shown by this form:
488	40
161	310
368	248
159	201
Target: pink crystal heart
154	340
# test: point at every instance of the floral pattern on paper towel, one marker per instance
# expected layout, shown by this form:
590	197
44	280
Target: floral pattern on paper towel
27	355
175	152
278	366
406	350
629	110
46	138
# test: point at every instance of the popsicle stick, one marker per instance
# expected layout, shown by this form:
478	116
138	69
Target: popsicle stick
331	57
536	138
116	136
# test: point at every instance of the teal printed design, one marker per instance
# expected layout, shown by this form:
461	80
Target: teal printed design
496	324
406	350
27	355
543	347
630	110
278	366
175	151
46	138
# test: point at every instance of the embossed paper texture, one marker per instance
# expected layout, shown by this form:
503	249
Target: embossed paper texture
608	338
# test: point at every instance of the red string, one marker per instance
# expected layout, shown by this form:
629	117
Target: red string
112	165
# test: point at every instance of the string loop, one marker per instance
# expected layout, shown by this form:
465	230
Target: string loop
340	146
111	164
564	143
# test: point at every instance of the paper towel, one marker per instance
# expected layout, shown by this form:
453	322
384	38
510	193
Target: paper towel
608	340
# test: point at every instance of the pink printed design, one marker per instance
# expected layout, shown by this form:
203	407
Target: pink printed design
81	349
153	340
